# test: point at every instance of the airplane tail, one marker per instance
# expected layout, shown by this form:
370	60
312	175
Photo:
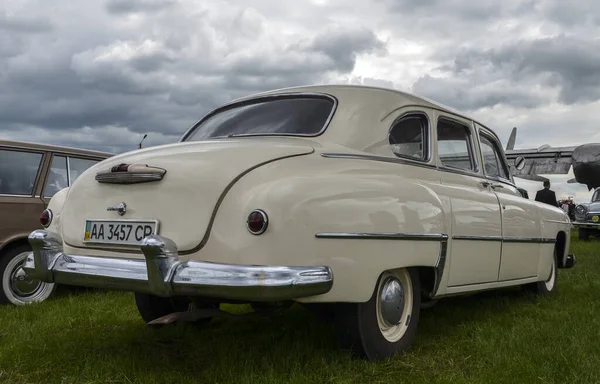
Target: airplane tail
511	140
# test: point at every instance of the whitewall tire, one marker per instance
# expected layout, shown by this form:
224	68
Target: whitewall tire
17	287
385	325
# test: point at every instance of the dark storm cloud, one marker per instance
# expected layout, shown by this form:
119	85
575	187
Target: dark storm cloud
156	73
509	74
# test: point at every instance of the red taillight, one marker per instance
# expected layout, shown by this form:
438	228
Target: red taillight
257	222
46	218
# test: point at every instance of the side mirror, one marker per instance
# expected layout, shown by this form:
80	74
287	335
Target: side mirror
520	163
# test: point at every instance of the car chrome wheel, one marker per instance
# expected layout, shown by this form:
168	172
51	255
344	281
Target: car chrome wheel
19	288
394	303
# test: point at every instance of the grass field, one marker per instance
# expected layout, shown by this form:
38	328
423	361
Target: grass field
510	337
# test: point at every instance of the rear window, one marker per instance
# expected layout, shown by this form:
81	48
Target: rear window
292	116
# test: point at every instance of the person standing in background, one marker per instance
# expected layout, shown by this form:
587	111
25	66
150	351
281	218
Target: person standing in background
546	195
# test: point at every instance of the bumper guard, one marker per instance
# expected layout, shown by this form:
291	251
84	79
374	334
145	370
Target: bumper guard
163	274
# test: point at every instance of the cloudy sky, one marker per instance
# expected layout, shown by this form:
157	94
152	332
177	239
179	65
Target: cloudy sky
100	74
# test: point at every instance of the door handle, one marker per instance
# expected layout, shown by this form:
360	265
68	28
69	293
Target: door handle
497	186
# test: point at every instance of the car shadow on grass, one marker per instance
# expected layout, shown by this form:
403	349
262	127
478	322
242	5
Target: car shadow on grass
295	338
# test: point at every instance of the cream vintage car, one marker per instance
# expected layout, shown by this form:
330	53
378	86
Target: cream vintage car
368	201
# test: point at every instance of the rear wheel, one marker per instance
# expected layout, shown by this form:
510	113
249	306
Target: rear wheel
385	325
17	287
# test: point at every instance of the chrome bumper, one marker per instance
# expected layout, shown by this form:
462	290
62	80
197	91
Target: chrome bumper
585	224
162	274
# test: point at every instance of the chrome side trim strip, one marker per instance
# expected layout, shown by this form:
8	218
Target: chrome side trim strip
383	236
428	237
543	240
478	238
507	239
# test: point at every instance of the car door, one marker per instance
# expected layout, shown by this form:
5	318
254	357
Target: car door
475	246
20	204
520	222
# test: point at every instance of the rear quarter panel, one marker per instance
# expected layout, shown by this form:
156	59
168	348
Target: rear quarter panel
310	194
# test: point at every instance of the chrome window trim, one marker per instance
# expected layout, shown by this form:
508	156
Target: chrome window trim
481	131
427	143
68	170
259	98
471	137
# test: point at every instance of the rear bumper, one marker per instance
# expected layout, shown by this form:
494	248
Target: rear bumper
162	274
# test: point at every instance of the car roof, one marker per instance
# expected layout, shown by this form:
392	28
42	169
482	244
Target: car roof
336	90
54	148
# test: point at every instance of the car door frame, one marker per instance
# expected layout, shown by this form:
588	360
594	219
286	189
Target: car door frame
468	244
521	242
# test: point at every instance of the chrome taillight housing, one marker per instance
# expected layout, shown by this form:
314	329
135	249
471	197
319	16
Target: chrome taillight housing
257	222
46	218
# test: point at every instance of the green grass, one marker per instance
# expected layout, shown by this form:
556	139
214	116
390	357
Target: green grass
87	336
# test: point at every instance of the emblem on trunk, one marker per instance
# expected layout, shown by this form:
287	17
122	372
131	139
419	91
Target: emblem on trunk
121	208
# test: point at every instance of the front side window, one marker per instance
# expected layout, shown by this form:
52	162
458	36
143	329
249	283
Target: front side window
58	177
454	145
492	161
408	137
18	171
77	167
295	115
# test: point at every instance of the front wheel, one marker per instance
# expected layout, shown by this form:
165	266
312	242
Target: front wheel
548	285
583	234
386	325
17	287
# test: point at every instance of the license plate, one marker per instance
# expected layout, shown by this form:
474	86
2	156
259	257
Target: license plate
120	232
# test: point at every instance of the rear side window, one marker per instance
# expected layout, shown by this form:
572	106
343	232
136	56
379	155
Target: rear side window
492	161
58	177
293	116
454	145
77	167
408	137
18	172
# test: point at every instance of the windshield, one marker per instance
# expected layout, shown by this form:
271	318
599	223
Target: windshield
596	196
298	115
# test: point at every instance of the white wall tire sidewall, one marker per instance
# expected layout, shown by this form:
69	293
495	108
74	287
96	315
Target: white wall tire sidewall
44	291
395	333
550	283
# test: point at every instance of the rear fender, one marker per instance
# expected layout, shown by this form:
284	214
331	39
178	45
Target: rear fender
309	195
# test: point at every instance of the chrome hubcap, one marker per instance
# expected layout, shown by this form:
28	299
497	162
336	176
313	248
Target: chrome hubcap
391	301
21	284
20	288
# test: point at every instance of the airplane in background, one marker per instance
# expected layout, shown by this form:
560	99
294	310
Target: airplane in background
529	163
